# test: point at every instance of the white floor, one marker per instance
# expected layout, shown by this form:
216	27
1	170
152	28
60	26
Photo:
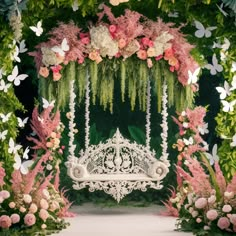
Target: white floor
94	220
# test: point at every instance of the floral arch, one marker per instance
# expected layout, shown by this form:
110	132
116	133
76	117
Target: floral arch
138	50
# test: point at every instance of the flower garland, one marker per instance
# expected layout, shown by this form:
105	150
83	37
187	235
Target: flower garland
127	38
164	125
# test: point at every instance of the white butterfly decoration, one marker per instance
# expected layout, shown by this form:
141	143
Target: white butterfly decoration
38	28
174	14
203	129
188	141
41	120
15	55
22	123
202	31
233	84
75	5
47	104
4	86
233	68
225	46
215	66
4	117
224	91
228	106
221	9
233	144
2	72
193	77
12	147
3	135
22	166
22	47
14	77
216	45
213	157
25	154
64	47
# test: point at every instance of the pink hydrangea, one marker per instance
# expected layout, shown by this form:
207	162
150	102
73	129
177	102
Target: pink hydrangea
29	219
212	214
223	223
5	222
201	203
227	208
43	214
15	218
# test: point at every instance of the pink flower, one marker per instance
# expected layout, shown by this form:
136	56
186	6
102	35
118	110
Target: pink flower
43	226
5	222
121	43
233	219
83	35
54	206
142	54
49	144
56	76
2	175
227	208
212	214
201	203
223	223
15	218
194	214
158	57
112	29
81	60
211	199
168	53
29	219
43	71
172	68
27	198
56	69
12	205
93	55
145	41
44	204
33	208
4	194
198	220
43	214
85	40
149	63
46	194
22	209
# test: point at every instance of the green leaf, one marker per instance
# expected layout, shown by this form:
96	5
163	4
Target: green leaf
137	134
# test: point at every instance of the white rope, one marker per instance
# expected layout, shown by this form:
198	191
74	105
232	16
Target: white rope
72	146
87	103
148	116
164	125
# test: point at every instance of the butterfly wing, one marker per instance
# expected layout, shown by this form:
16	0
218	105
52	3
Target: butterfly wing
13	75
17	163
19	78
64	45
22	47
233	144
24	168
15	55
215	63
45	103
3	134
200	29
226	106
208	30
211	68
58	50
214	153
25	154
233	84
222	92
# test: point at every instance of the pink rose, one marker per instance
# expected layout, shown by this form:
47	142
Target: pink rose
43	214
54	206
56	69
83	35
93	55
33	208
158	57
223	223
145	41
27	198
211	199
5	222
201	203
227	208
4	194
15	218
212	214
46	194
112	29
142	54
169	53
198	220
56	76
43	71
44	204
22	209
29	219
194	214
233	219
121	43
85	40
12	205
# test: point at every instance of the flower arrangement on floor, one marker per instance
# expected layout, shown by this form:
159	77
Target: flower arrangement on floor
116	48
32	202
204	201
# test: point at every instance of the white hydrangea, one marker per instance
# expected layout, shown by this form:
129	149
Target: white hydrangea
49	57
101	40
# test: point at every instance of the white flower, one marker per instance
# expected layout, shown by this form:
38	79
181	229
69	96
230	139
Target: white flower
229	195
203	129
49	57
101	40
185	125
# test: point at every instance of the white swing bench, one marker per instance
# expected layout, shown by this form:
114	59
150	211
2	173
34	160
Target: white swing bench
117	166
